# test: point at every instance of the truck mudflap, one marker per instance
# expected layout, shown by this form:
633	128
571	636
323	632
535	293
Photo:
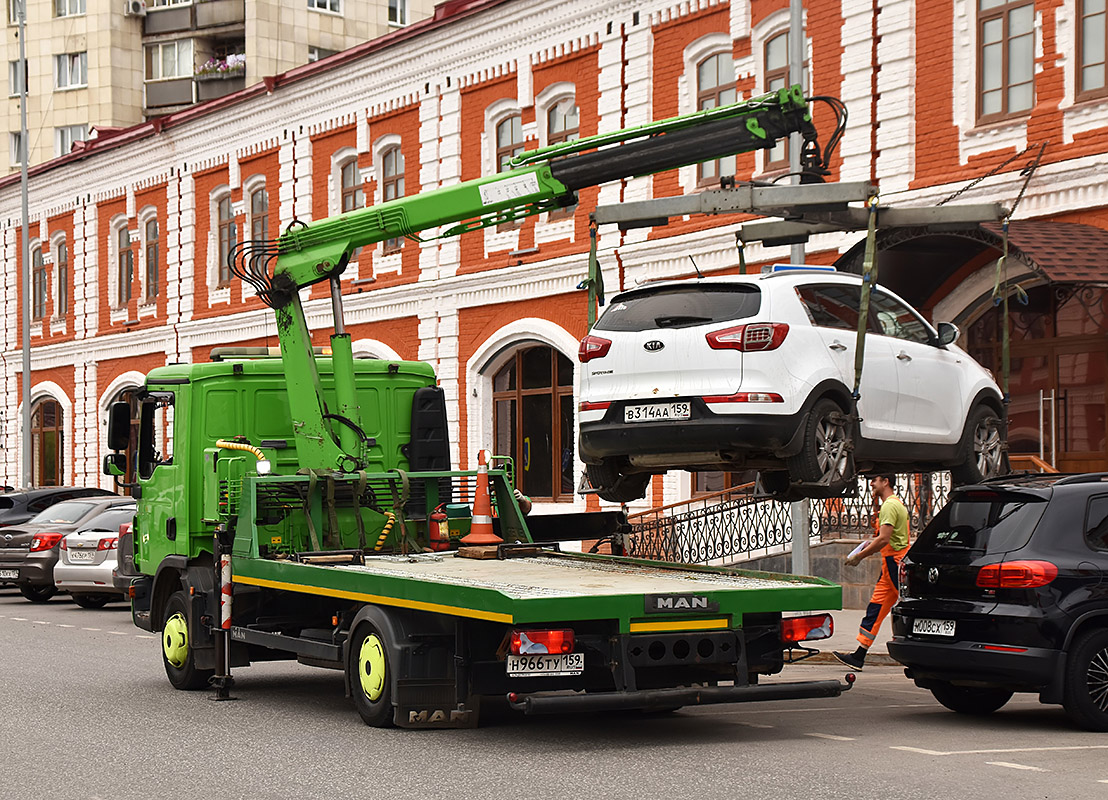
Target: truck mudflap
659	699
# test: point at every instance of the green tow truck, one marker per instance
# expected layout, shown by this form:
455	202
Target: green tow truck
302	505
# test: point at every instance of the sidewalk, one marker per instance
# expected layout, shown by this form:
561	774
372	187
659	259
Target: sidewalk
844	639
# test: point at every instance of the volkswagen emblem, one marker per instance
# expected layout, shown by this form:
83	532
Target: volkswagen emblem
933	575
653	346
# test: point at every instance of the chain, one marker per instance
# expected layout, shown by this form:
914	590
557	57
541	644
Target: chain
992	172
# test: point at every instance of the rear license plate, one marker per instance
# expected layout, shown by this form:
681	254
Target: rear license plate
9	574
933	627
82	555
657	411
563	664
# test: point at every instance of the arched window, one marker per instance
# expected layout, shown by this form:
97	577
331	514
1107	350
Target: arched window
563	125
509	141
351	187
259	214
533	421
715	86
46	443
228	237
38	285
153	258
392	186
125	265
61	270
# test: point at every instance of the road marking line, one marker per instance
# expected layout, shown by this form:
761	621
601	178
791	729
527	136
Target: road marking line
1010	765
20	619
751	724
1004	750
90	629
144	636
118	633
40	622
830	736
63	625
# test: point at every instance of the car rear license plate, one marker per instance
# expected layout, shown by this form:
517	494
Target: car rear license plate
9	574
82	555
529	666
657	411
933	627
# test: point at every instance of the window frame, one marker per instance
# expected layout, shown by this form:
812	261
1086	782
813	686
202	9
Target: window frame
560	136
1001	11
40	283
61	275
152	262
324	6
38	428
63	132
226	237
61	8
15	148
401	13
1079	63
124	266
189	72
66	59
716	95
13	70
352	190
259	217
392	184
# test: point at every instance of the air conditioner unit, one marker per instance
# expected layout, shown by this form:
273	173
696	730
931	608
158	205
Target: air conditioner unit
134	8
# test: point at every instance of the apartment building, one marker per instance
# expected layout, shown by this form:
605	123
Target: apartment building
102	64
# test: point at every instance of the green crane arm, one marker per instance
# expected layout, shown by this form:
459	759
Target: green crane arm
540	180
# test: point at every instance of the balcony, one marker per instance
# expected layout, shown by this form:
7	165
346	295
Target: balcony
169	95
224	14
209	87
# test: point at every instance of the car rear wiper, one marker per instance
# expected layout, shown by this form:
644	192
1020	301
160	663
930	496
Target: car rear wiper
675	320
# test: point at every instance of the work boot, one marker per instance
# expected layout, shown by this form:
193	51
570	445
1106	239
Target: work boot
856	660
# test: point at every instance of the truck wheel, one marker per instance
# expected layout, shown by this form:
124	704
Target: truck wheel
1085	696
983	452
825	456
177	654
91	600
614	486
370	676
38	594
967	700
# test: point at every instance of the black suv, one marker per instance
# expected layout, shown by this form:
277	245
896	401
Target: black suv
1006	590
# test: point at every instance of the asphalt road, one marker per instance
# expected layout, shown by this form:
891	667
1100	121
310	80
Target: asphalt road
86	713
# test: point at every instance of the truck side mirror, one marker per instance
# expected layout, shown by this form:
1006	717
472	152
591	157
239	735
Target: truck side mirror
115	464
119	427
948	333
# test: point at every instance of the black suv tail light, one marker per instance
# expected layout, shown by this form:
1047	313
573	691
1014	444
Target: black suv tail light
1016	575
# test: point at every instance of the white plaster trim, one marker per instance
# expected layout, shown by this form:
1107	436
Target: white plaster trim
339	159
374	348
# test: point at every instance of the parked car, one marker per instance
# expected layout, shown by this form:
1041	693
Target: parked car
87	561
757	371
1004	592
29	551
19	505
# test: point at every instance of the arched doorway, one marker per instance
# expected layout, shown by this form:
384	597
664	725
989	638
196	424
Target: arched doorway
533	421
47	442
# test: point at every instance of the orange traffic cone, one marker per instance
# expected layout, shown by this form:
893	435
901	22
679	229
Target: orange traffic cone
480	526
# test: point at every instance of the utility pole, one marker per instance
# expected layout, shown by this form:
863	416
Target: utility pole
800	512
26	242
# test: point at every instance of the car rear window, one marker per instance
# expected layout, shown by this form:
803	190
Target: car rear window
111	520
64	513
680	307
983	522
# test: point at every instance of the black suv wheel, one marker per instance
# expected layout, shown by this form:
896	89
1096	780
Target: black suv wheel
1086	692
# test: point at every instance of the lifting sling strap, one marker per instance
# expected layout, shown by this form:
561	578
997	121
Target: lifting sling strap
869	278
595	280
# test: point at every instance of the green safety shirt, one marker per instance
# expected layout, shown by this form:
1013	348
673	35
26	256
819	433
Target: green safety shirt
894	513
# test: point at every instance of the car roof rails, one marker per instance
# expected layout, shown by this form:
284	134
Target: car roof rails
1085	477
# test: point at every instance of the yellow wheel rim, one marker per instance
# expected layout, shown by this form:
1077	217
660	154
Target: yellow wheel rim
371	667
175	640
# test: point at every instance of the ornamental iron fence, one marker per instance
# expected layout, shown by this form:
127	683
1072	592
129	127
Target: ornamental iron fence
734	525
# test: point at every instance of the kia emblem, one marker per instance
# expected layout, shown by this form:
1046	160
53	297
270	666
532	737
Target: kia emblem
933	575
653	346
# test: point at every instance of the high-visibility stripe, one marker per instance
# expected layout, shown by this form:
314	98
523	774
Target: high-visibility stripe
690	625
419	605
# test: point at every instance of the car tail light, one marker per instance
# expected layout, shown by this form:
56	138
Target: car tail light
805	629
750	338
592	347
587	406
902	578
525	643
745	397
1016	575
109	543
45	541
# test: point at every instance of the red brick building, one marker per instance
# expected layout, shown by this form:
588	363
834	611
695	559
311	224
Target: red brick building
129	234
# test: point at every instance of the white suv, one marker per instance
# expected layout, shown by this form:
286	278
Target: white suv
756	372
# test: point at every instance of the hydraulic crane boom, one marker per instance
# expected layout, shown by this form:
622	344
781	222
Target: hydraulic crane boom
539	181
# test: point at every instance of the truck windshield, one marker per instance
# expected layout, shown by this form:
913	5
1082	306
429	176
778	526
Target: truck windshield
680	307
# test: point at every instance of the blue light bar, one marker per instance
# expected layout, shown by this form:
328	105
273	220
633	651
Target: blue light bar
805	267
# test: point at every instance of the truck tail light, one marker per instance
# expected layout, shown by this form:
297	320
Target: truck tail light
592	347
109	543
1016	575
45	541
524	643
754	337
808	628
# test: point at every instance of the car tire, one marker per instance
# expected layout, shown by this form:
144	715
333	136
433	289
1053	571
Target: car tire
37	594
983	451
824	456
370	675
974	701
92	600
178	657
1085	696
614	486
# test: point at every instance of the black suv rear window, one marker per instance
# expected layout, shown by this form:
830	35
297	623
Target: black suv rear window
983	522
680	307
